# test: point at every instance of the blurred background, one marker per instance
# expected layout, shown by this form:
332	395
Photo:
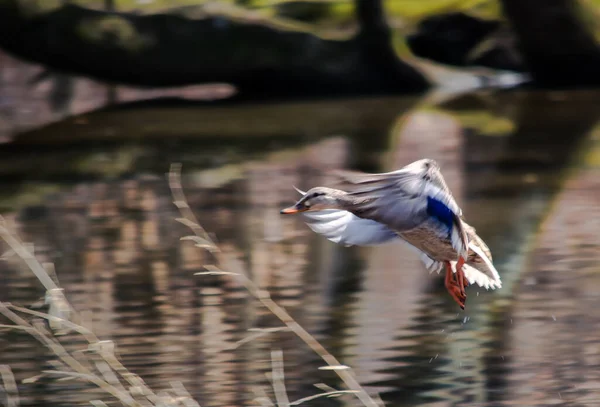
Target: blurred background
98	98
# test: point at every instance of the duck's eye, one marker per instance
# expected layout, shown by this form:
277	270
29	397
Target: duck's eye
307	203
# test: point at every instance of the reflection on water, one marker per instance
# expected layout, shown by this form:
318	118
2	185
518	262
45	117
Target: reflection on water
524	167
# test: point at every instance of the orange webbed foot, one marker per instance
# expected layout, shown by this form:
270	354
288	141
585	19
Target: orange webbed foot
456	283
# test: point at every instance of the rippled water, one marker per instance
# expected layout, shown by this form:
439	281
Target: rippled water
92	196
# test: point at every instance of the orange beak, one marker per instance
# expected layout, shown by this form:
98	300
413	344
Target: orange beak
294	209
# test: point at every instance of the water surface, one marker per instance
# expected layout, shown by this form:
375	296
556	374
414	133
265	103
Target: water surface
91	194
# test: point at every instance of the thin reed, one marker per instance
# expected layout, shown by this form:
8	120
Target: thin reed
79	355
223	265
96	363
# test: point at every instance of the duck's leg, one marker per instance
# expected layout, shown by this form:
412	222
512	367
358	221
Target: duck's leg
455	291
461	280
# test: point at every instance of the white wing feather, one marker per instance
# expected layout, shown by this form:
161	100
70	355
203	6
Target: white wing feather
345	228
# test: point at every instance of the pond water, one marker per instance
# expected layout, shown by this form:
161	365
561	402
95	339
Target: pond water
91	194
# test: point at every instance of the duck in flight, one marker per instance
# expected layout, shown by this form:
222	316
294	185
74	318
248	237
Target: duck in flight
412	204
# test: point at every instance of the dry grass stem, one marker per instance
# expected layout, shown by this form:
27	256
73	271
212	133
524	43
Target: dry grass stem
334	393
261	397
21	251
278	378
9	386
97	364
258	333
189	219
89	335
339	367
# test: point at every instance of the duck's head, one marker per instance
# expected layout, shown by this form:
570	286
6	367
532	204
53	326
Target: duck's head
316	199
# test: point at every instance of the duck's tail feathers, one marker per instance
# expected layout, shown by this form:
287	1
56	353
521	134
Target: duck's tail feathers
485	275
475	276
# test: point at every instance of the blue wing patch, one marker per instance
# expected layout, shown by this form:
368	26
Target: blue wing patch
440	211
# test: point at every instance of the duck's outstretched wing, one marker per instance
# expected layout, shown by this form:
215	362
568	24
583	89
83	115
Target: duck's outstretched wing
407	198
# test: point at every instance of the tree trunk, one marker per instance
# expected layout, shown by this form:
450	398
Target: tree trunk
558	49
375	38
169	50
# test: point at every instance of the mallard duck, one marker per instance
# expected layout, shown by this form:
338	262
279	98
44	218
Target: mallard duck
412	204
